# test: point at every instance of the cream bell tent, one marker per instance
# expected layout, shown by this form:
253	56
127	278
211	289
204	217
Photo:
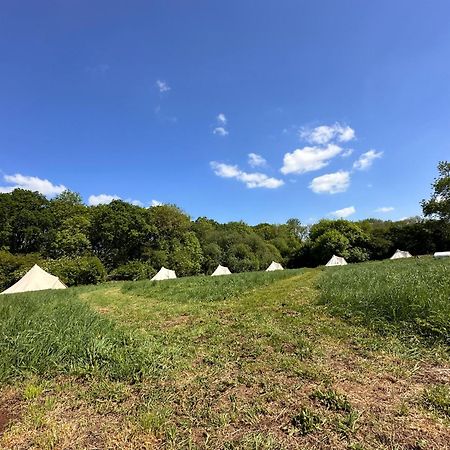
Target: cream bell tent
274	266
221	270
164	274
36	279
336	261
442	255
401	254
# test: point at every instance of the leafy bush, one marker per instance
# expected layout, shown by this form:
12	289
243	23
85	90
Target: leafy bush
13	267
76	271
133	271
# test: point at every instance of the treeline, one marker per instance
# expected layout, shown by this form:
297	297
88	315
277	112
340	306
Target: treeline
86	244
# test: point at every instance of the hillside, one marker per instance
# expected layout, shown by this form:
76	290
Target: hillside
352	357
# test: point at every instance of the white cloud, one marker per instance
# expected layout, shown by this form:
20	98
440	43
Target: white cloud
385	209
344	212
221	131
256	160
251	180
156	203
104	199
347	153
366	160
162	86
308	159
331	183
324	134
135	202
101	199
221	119
346	134
40	185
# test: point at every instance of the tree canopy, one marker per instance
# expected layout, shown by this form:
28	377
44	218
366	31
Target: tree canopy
133	242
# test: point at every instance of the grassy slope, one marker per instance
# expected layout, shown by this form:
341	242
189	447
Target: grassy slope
259	368
412	295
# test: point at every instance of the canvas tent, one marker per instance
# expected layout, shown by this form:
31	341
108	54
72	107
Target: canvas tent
401	254
274	266
336	261
36	279
164	274
442	255
221	270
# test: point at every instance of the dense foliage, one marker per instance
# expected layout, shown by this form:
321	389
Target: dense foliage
76	241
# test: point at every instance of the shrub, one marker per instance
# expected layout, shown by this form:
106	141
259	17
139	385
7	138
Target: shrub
133	271
13	267
76	271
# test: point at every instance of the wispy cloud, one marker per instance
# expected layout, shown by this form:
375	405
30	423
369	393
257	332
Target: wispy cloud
251	180
347	153
326	133
255	160
221	131
331	183
43	186
221	125
221	119
154	203
344	212
366	160
385	209
308	159
162	86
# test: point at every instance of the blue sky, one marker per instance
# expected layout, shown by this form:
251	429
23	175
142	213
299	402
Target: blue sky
344	105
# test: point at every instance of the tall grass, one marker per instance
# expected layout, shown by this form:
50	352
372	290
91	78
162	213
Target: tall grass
411	294
205	288
52	332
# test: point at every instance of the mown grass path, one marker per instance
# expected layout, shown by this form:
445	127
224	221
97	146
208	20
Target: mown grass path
263	368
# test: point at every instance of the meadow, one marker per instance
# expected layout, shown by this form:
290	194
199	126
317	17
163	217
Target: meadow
412	295
351	357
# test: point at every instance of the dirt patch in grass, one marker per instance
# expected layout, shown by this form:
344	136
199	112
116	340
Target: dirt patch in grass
389	403
5	419
182	319
9	408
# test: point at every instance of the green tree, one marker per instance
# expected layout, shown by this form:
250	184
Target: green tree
186	255
331	242
119	232
439	203
212	257
25	221
72	238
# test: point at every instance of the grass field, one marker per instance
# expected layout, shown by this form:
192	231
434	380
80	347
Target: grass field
411	295
354	357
